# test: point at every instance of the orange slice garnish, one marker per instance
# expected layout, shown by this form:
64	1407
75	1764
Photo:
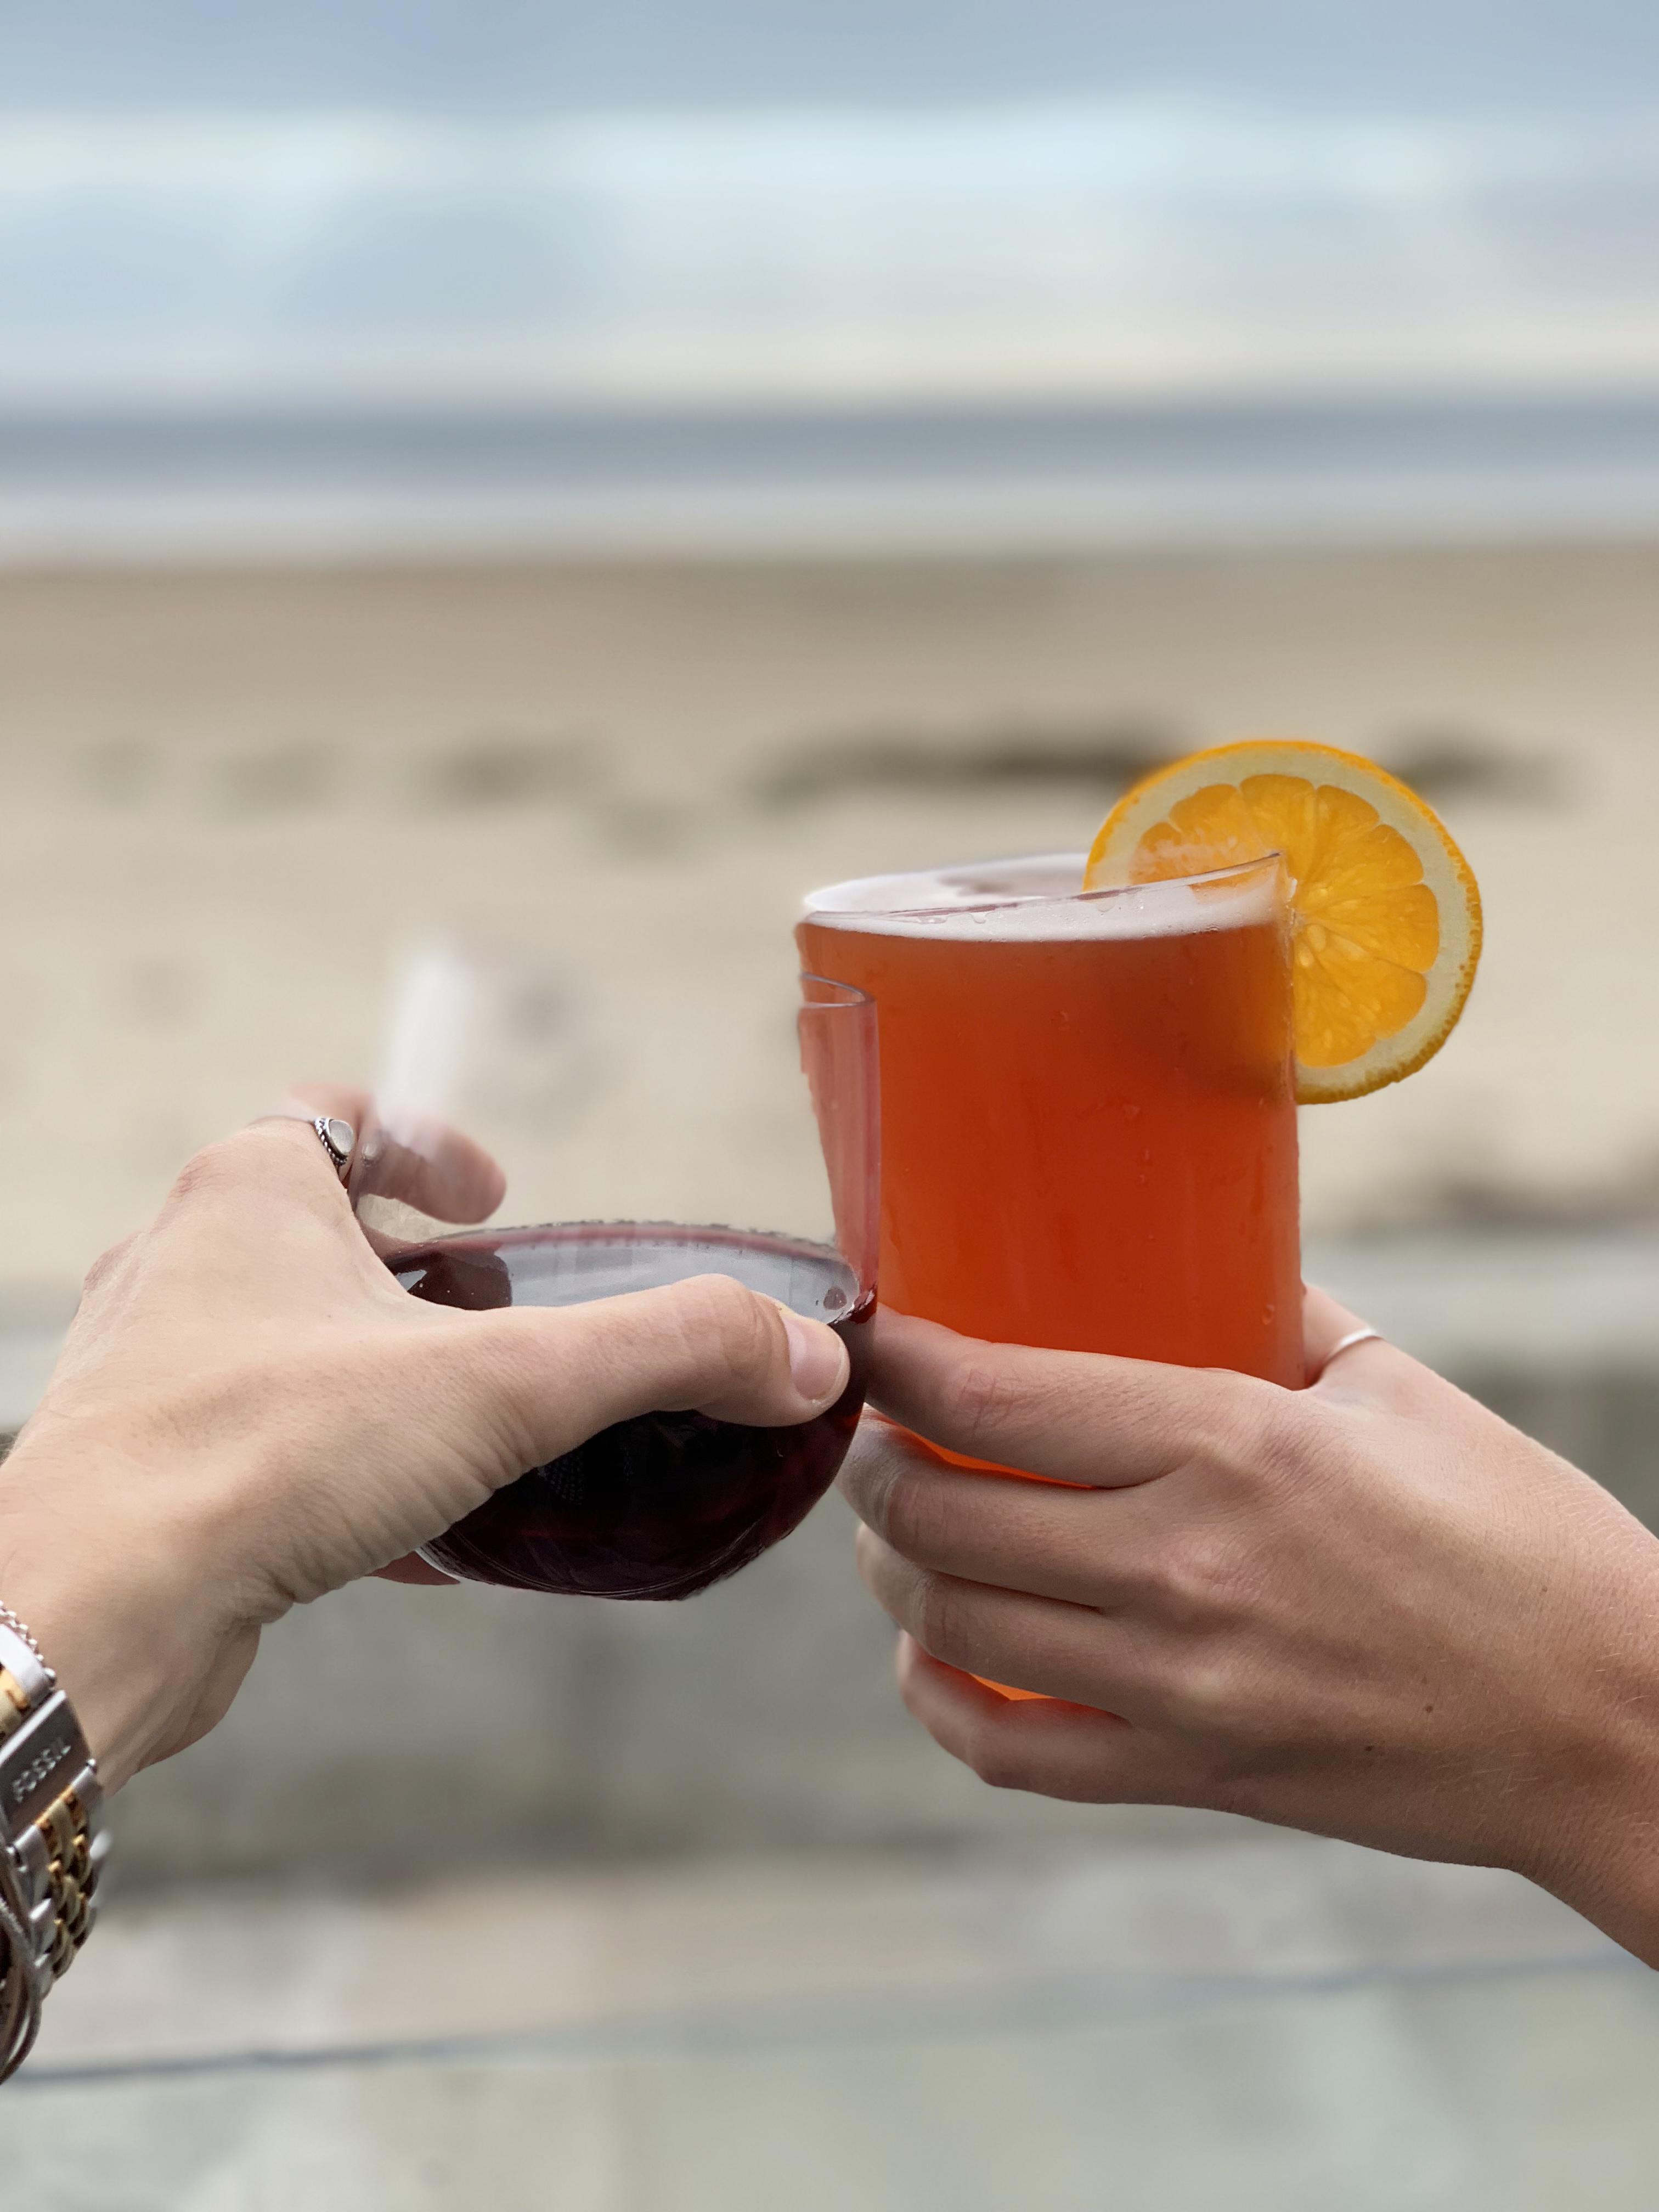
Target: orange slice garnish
1384	909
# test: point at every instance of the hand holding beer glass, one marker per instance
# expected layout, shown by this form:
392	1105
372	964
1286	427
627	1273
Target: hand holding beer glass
1090	1069
1325	1589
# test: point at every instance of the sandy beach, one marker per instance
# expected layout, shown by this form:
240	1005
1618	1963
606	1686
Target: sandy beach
231	796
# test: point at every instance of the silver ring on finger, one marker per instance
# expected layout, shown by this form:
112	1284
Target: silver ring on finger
338	1139
1346	1343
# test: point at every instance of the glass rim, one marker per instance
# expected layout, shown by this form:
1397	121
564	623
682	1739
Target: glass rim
709	1235
813	909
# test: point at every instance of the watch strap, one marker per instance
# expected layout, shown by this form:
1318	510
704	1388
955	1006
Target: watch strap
52	1842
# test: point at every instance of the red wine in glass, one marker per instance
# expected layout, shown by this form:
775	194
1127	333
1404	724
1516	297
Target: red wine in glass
665	1504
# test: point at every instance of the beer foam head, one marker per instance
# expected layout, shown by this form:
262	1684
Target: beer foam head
1037	901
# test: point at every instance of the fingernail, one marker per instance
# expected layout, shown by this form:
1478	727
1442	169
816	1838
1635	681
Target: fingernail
817	1358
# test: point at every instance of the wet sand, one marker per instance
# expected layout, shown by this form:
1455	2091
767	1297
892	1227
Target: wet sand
229	796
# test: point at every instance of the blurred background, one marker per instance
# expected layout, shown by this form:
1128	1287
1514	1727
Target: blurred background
588	478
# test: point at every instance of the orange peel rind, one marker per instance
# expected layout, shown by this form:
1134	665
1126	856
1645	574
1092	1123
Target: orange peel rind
1385	910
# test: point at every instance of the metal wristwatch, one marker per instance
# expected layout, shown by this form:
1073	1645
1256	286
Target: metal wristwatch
52	1842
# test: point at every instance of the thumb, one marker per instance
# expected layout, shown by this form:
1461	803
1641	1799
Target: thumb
550	1376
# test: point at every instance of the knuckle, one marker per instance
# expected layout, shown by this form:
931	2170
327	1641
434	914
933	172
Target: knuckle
1260	1438
994	1758
210	1173
984	1397
936	1618
1205	1577
106	1267
1207	1700
904	1503
257	1162
863	1474
1285	1441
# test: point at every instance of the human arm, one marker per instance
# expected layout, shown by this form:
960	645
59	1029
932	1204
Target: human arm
1369	1608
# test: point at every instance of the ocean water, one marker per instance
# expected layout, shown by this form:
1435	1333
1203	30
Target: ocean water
1115	314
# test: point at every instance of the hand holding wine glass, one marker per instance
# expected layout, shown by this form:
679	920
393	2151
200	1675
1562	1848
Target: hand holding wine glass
250	1411
663	1505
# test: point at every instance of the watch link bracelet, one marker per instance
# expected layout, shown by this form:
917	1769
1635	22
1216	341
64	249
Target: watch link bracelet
52	1842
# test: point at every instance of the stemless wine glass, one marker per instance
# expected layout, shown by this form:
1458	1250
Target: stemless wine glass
662	1505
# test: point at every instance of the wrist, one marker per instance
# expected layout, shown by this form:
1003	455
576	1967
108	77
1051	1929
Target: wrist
112	1605
52	1840
1606	1865
1599	1851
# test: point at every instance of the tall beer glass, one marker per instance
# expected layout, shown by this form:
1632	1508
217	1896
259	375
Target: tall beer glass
1088	1120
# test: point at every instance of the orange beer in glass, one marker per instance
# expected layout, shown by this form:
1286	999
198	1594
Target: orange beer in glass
1088	1118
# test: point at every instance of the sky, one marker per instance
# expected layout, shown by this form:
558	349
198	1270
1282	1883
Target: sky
455	55
1114	246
